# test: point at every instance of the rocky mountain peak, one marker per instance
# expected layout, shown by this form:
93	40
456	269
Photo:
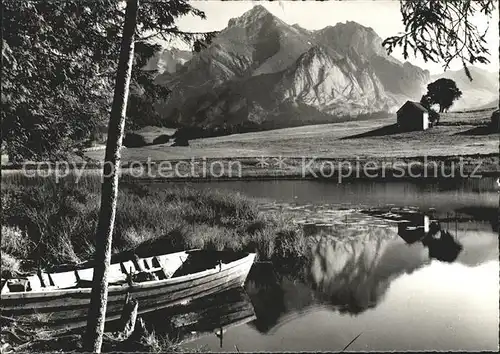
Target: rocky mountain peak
262	72
256	11
352	35
256	14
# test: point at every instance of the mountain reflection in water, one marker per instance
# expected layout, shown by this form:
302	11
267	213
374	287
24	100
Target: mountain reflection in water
351	268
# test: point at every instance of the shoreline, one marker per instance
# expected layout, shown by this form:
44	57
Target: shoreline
283	168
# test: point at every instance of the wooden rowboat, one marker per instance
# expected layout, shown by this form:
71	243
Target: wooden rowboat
61	298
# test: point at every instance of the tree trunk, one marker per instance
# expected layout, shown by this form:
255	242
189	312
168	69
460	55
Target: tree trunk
109	191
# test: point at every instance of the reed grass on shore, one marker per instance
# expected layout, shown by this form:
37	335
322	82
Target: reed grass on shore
46	223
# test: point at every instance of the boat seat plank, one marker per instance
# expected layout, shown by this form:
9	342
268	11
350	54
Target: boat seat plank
5	288
116	275
34	283
64	279
127	267
155	262
170	264
44	279
138	263
148	263
85	274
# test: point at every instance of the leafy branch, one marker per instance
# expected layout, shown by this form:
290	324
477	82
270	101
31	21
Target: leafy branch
443	30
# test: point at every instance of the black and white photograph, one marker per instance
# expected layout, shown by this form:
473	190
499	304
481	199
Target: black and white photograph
250	176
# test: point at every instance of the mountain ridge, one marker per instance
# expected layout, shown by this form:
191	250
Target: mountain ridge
338	71
481	92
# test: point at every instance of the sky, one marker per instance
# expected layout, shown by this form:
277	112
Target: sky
382	15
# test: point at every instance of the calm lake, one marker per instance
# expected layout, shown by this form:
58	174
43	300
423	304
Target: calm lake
368	276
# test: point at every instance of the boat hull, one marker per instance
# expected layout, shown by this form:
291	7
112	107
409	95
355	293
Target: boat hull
64	309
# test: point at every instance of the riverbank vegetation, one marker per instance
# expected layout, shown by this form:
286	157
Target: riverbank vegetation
46	223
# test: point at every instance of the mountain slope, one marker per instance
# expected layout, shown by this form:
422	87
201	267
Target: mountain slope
168	60
481	92
260	72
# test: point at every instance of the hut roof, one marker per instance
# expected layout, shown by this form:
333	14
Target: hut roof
414	104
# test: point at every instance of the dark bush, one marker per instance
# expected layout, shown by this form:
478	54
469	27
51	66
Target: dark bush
162	139
132	140
495	117
434	117
187	133
181	142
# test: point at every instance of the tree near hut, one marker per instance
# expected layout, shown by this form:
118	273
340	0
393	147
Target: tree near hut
433	115
495	121
442	92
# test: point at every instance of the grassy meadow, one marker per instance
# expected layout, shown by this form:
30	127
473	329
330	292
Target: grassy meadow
459	133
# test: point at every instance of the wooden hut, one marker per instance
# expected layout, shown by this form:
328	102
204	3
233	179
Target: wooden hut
413	116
